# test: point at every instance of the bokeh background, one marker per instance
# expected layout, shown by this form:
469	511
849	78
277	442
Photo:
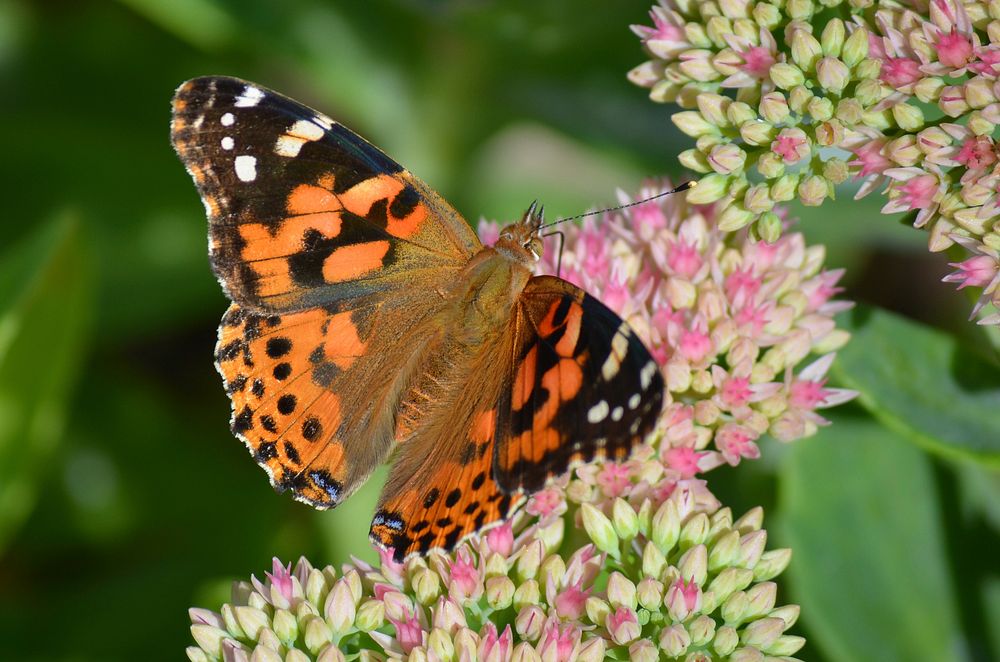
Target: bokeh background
123	497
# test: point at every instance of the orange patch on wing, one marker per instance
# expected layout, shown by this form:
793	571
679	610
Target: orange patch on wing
567	343
565	379
351	262
267	253
331	458
524	381
483	426
408	225
311	199
547	325
360	197
343	344
546	441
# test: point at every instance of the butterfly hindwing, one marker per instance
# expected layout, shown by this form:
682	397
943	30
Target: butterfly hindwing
583	387
436	499
302	211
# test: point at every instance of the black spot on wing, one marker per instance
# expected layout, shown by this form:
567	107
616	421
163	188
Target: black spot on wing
311	429
405	202
286	404
278	347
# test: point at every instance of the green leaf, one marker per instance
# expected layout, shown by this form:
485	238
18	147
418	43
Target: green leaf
46	296
198	22
870	568
924	384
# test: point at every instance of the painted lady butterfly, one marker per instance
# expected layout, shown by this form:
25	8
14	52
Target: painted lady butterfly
368	319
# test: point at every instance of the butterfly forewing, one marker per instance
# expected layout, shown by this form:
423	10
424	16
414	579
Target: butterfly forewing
304	212
583	387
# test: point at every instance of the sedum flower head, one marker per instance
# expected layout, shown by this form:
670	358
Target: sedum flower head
743	330
904	96
691	581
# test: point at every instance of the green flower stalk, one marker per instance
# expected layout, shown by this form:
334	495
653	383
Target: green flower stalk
904	96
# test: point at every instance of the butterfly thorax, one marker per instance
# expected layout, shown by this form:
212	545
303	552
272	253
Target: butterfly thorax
495	277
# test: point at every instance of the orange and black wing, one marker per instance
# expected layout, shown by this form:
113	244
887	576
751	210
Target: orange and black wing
333	255
583	387
302	211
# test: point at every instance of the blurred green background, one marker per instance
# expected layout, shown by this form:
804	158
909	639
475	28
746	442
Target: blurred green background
123	497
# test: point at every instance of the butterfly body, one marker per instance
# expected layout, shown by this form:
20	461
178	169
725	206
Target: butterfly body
368	321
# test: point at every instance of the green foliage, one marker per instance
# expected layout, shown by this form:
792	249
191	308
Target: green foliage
125	500
926	384
46	286
870	567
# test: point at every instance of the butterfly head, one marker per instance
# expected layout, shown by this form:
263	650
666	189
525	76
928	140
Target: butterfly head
522	240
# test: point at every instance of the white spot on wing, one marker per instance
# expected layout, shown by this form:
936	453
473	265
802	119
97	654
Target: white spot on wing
228	119
619	347
300	133
610	367
634	401
249	97
617	413
634	427
646	374
288	146
246	168
227	142
323	121
598	412
306	129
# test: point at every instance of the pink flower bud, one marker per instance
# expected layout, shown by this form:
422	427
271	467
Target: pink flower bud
501	539
977	271
623	625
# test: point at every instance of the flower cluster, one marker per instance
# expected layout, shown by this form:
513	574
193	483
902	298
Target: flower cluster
731	322
651	580
897	93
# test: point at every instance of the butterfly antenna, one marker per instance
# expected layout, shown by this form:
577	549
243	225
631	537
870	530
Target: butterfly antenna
683	187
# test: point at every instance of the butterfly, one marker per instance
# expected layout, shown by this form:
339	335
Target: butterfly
369	321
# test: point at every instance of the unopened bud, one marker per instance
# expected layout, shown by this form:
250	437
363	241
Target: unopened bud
820	108
855	47
770	165
806	50
908	117
785	75
693	124
833	74
813	190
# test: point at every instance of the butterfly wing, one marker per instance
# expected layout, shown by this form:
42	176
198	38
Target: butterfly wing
584	387
333	255
441	487
302	211
574	384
